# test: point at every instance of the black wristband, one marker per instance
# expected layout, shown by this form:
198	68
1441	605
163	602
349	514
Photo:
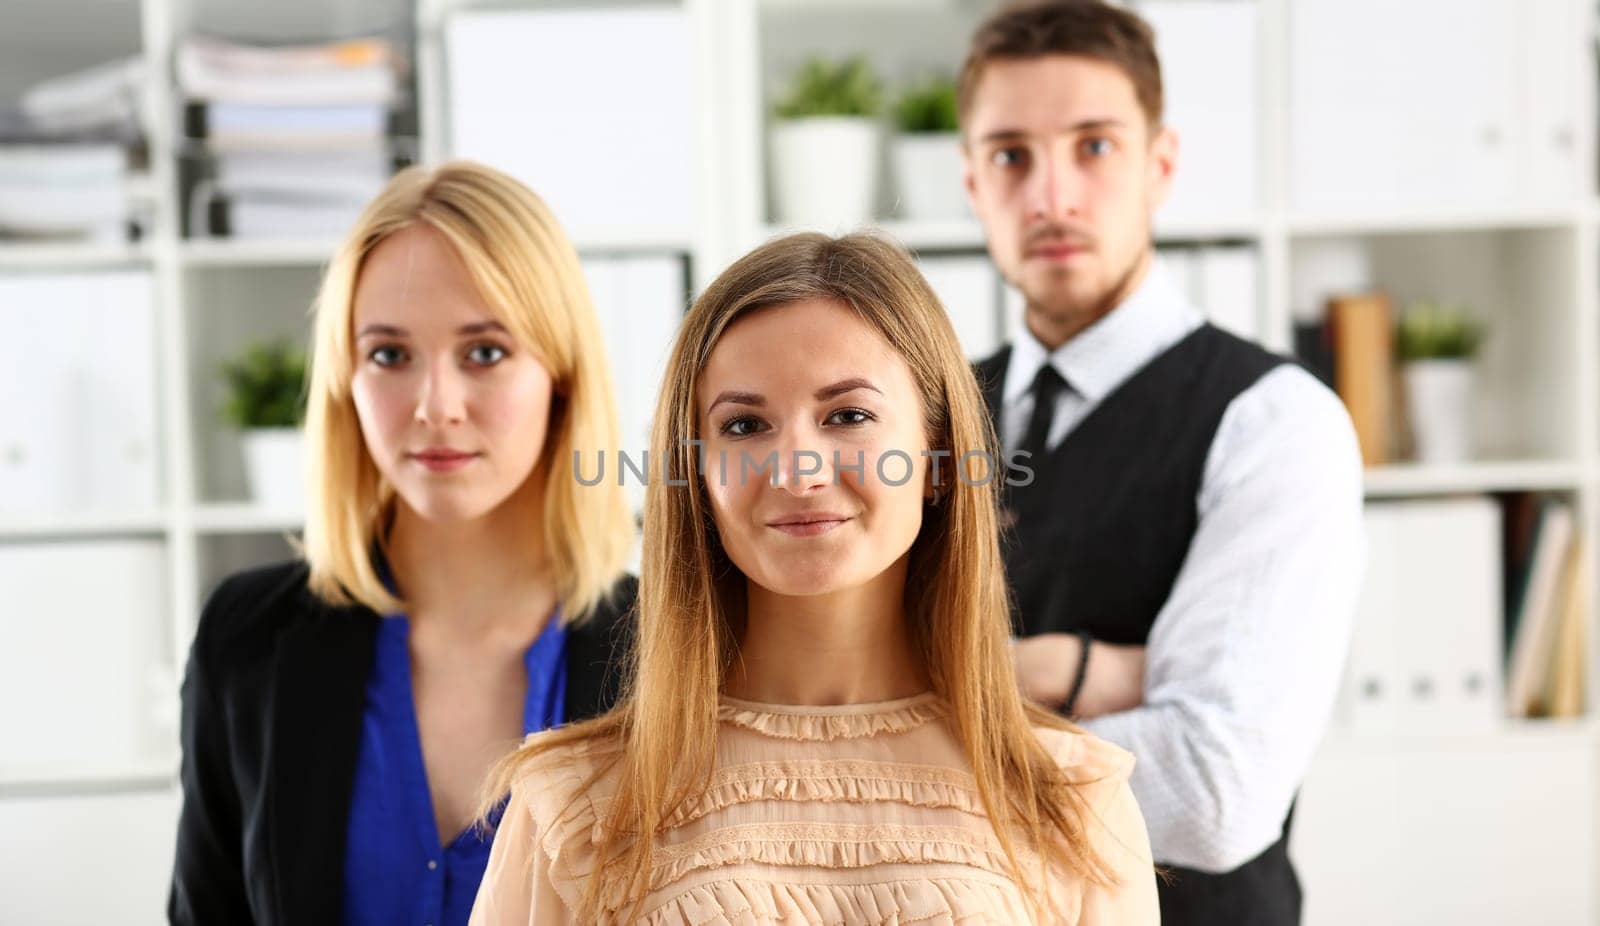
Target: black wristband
1083	672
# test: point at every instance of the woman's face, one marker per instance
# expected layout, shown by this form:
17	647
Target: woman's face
820	398
453	410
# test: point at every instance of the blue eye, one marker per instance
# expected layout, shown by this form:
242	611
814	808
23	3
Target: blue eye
486	355
1007	157
387	356
1098	147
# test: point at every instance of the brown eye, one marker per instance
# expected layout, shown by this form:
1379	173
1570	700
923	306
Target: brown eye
855	416
742	426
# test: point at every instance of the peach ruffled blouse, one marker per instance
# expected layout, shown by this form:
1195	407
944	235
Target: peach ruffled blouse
861	814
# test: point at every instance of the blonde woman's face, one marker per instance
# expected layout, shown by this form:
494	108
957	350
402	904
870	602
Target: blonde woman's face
453	410
809	396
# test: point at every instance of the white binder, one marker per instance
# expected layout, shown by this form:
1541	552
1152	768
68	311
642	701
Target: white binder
1426	652
640	302
1229	289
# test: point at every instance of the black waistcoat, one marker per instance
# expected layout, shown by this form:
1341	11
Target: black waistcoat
1098	537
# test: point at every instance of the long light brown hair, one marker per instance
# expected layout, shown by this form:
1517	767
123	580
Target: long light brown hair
527	270
691	595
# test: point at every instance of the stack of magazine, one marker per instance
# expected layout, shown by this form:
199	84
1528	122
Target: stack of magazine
296	137
72	154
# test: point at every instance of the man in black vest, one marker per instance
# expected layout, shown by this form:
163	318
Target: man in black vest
1186	559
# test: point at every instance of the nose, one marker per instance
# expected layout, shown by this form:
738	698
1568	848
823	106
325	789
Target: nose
1055	185
442	400
805	464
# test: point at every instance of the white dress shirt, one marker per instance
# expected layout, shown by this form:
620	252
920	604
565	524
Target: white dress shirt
1244	659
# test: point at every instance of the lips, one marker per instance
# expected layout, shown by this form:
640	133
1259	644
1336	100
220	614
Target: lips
1057	250
811	524
443	459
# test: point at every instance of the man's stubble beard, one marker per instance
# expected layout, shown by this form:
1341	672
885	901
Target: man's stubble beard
1063	312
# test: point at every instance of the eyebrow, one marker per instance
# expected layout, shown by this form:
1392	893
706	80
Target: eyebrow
822	395
1082	126
397	332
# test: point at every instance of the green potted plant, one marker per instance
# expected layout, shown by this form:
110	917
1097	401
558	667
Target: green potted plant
926	151
1438	345
266	401
825	145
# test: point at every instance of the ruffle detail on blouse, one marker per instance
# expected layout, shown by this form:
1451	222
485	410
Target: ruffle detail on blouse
826	845
820	724
831	781
929	902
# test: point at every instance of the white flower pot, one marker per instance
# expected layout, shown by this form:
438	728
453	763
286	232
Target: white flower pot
274	466
1439	397
825	171
927	176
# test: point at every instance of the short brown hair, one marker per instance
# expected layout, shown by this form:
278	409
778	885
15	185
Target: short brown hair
1089	28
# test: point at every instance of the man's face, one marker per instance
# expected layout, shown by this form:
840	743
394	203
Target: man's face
1062	169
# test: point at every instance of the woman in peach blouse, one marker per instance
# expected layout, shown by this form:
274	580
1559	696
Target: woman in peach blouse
822	723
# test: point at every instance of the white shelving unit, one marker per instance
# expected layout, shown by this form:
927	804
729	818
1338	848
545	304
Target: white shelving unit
1531	261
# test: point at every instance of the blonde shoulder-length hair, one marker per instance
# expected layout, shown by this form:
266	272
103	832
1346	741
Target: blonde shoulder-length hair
526	269
691	596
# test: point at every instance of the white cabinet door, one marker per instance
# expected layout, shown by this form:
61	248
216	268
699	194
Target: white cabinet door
1403	103
1466	831
84	676
1210	65
607	138
1553	69
93	858
969	288
30	396
80	392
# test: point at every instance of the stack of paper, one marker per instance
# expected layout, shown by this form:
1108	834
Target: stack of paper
64	191
297	136
65	152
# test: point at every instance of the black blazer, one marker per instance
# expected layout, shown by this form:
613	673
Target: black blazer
272	703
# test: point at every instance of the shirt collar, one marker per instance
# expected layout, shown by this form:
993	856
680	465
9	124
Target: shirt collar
1104	355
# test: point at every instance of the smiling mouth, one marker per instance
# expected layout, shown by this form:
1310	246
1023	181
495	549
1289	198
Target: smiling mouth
810	527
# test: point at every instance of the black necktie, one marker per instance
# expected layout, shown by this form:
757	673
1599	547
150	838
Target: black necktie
1047	385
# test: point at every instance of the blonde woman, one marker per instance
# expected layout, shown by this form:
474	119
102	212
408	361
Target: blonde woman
823	726
459	589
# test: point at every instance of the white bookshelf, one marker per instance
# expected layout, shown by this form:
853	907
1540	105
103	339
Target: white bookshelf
1533	263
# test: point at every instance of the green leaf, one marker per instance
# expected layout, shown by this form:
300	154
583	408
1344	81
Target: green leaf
1429	330
266	387
928	107
825	88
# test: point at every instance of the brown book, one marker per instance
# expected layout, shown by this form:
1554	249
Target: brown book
1363	350
1564	694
